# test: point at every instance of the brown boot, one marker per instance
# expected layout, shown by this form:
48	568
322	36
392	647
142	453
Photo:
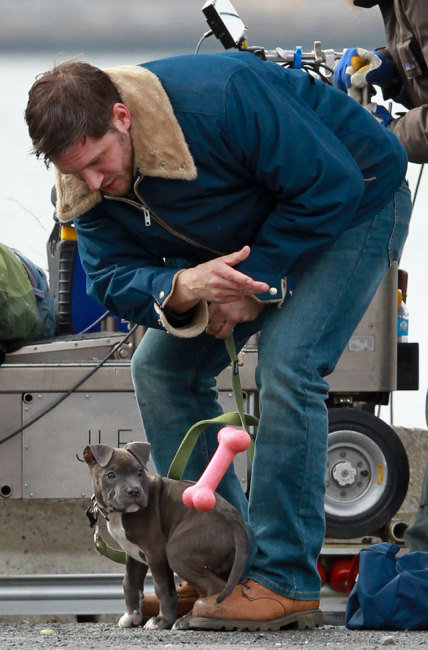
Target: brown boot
187	595
251	606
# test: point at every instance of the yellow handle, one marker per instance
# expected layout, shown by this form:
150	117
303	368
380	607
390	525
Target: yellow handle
68	233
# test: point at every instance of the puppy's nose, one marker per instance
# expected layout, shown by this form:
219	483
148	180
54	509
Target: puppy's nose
133	491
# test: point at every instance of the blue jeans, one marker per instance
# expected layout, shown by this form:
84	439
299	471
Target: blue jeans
299	344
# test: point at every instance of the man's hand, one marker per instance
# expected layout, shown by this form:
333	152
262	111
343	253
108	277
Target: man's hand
359	68
224	316
215	281
380	113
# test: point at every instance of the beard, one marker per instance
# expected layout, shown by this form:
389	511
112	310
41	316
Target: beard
128	158
122	181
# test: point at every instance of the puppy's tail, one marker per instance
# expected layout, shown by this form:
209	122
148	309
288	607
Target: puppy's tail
240	538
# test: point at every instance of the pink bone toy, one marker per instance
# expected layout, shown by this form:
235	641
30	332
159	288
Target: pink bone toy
201	494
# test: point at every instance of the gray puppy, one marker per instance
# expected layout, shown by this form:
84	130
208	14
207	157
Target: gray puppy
146	516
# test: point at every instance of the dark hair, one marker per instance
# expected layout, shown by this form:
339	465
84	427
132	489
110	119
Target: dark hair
68	103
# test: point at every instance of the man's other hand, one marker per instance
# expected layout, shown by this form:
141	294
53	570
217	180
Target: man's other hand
223	317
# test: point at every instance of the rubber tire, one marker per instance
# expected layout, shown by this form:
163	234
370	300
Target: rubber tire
379	514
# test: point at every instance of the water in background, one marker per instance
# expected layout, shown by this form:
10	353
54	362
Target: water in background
26	210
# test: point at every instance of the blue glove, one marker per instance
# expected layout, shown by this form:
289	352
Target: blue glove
380	113
359	68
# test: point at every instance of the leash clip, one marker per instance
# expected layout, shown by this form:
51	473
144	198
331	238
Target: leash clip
92	512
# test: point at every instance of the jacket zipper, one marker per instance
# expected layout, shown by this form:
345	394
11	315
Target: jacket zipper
149	214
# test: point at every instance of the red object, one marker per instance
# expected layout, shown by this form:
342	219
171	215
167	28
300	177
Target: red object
322	572
339	573
230	442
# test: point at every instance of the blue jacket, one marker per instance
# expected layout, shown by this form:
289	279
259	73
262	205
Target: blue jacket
282	162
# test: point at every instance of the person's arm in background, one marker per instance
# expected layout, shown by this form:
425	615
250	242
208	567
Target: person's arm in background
412	130
359	69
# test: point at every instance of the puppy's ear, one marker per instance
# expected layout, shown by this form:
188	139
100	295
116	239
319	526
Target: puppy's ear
140	451
100	454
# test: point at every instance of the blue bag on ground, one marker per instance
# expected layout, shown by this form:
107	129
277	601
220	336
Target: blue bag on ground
391	591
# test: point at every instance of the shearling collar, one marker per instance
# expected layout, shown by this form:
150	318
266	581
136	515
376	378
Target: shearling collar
159	145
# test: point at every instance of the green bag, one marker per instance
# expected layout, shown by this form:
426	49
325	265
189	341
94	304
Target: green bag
19	317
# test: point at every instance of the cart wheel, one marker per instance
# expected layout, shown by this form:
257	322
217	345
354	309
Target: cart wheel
367	474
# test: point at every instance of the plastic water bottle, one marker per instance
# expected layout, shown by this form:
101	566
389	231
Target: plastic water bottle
402	319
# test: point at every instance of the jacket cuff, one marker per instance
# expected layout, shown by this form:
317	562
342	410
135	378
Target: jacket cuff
280	286
277	293
196	326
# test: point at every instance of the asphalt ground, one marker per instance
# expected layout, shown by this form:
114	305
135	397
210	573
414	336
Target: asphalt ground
107	635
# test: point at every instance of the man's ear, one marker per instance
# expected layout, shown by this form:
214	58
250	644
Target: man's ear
121	117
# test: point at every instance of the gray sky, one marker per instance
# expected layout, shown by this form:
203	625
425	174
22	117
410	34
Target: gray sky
176	25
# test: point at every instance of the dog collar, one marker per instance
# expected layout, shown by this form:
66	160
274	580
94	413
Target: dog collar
93	511
93	515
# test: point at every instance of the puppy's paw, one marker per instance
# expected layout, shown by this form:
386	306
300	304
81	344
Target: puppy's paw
158	623
182	623
130	619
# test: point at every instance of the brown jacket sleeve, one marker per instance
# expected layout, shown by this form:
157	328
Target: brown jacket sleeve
412	131
406	31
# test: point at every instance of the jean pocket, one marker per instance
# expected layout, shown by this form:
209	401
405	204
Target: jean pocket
400	228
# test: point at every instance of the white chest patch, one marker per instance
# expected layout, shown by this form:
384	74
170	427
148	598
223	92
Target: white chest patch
117	531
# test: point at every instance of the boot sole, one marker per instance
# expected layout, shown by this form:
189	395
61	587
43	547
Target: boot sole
299	621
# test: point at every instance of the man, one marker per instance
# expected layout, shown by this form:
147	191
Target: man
220	193
401	70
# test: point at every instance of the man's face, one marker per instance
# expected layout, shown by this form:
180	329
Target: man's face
104	164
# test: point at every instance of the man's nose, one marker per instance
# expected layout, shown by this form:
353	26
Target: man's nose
93	178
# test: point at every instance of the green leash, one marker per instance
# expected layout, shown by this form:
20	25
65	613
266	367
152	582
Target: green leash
111	553
186	447
180	460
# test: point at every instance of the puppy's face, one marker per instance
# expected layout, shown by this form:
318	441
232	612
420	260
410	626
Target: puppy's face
119	478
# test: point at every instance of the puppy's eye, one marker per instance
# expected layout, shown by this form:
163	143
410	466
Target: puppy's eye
111	475
140	473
